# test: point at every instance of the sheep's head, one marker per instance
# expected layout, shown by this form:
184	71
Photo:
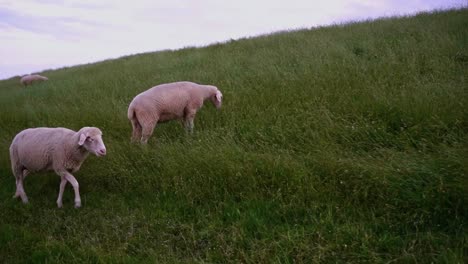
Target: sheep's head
217	99
91	139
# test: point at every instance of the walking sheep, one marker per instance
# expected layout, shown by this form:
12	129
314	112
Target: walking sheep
29	79
53	149
179	100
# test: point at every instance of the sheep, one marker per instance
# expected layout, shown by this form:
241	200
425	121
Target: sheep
29	79
165	102
53	149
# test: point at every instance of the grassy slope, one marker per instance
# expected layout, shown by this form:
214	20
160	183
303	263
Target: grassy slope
344	143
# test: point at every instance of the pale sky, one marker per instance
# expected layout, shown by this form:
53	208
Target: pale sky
37	35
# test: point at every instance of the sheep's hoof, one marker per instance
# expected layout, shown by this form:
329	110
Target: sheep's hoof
77	204
59	205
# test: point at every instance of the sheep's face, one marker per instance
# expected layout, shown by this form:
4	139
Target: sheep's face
217	99
91	140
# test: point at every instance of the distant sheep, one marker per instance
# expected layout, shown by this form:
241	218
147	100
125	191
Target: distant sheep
30	79
179	100
53	149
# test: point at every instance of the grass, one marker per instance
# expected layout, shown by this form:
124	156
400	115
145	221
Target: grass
344	143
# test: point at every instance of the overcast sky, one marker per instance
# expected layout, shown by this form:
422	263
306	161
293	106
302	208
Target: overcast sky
42	34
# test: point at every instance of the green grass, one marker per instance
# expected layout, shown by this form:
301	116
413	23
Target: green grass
345	143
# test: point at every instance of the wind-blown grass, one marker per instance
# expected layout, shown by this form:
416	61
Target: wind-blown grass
338	144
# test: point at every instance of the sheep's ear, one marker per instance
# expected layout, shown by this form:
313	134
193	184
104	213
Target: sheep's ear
218	96
82	139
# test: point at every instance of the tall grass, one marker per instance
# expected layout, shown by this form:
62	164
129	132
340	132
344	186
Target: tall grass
337	144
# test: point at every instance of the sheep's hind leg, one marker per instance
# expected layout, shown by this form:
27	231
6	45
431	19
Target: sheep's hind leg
136	133
20	174
147	131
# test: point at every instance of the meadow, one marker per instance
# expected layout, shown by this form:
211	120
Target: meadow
344	143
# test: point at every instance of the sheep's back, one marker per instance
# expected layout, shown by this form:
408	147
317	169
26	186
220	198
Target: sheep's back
35	147
166	100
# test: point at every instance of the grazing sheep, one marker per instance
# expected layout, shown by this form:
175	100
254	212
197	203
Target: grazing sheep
29	79
179	100
53	149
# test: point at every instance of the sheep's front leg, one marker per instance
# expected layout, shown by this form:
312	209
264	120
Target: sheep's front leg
63	182
76	187
189	117
20	174
70	178
147	128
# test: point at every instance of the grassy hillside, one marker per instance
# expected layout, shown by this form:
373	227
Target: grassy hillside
339	144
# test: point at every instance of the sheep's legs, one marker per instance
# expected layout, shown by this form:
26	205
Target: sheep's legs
147	131
136	133
20	174
76	187
20	191
189	126
63	182
25	173
188	121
